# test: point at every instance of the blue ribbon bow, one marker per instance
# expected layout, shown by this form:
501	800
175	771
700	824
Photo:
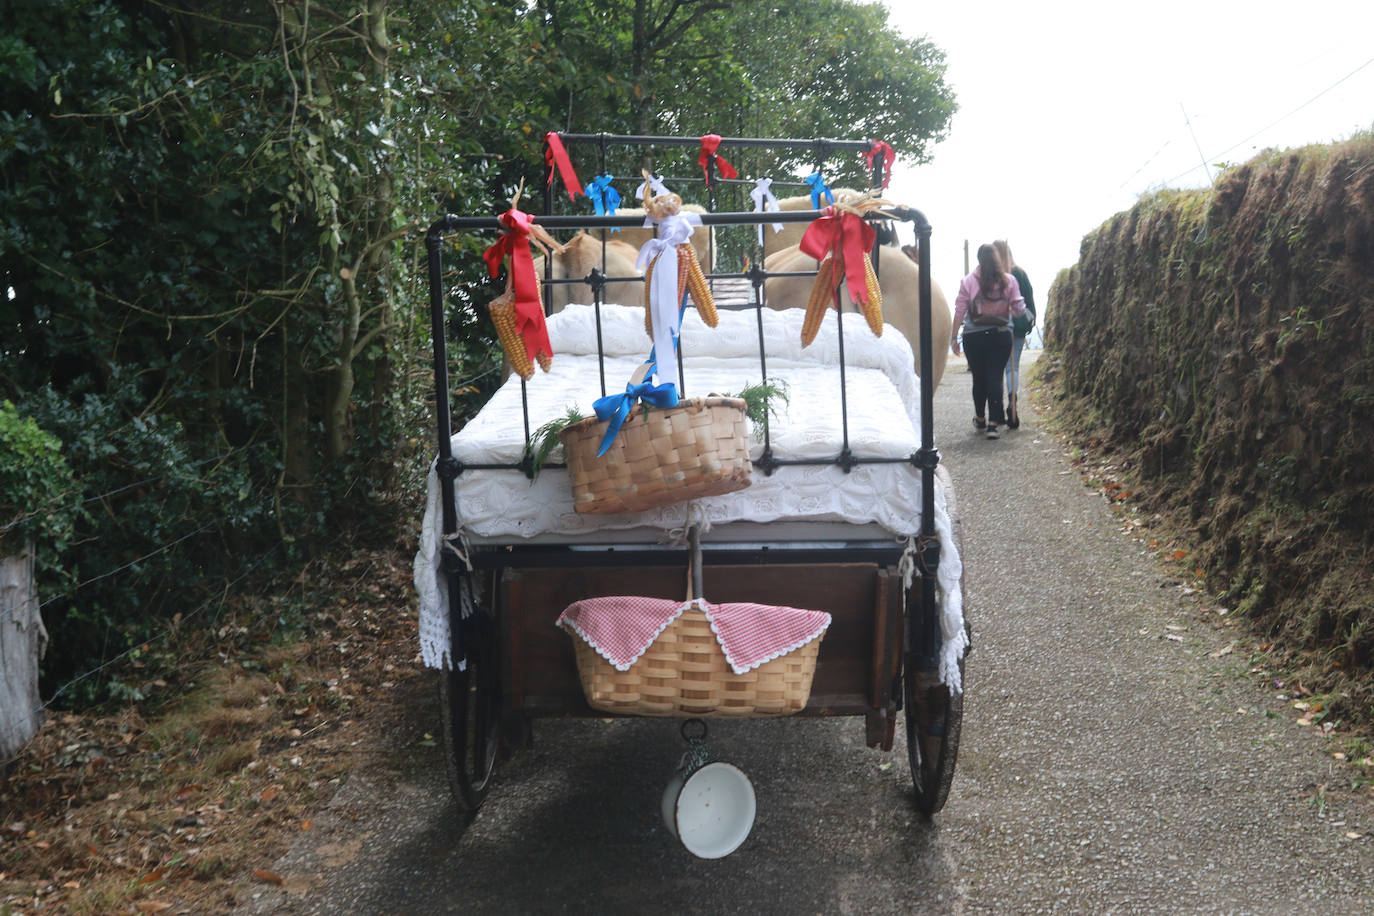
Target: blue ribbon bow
604	197
818	188
615	408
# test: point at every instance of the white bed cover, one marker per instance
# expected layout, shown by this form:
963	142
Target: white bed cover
795	503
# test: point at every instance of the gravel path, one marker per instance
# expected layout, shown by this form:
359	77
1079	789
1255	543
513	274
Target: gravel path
1109	764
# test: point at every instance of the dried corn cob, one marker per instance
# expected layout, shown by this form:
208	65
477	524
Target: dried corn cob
683	272
648	302
822	294
873	309
696	283
502	311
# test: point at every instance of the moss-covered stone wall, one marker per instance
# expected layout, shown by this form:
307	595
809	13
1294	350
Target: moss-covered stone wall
1221	342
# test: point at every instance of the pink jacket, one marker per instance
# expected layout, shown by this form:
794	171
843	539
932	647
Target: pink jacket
970	287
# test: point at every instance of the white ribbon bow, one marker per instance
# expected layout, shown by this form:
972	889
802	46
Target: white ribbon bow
765	202
661	252
656	186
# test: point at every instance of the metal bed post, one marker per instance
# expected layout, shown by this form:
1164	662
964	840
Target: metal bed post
446	466
928	458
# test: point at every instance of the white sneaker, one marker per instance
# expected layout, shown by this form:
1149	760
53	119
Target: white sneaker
992	431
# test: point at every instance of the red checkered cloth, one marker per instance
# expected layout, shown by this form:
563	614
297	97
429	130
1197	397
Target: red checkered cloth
620	628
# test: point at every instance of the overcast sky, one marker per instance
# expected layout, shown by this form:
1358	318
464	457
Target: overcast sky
1070	111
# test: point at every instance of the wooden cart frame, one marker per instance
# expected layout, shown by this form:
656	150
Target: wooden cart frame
880	657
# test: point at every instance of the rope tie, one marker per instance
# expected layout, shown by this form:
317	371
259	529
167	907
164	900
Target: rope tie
697	755
457	544
921	552
906	566
695	515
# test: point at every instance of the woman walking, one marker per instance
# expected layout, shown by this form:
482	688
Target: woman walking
1019	332
988	300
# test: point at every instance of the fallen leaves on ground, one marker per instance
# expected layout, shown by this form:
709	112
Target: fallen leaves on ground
184	807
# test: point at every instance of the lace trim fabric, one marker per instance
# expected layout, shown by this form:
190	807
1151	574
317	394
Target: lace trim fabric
622	628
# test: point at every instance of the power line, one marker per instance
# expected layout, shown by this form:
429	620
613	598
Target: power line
1153	157
1277	121
57	501
193	464
163	635
1300	107
106	575
1193	134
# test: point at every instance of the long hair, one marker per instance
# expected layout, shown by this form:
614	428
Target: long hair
1004	252
991	278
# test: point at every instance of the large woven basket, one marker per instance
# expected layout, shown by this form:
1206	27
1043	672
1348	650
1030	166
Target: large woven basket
660	456
684	673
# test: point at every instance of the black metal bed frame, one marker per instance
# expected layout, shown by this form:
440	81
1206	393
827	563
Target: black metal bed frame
926	458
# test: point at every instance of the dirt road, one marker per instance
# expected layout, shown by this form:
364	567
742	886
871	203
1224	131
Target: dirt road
1116	758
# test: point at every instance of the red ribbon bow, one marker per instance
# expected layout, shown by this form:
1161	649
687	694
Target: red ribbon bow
850	237
878	146
556	156
709	144
529	314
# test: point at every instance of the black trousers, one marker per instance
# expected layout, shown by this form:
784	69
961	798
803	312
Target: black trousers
988	352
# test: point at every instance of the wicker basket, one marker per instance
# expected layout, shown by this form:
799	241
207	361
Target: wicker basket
660	457
684	673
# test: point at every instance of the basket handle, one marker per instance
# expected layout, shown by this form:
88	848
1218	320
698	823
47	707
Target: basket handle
642	372
695	574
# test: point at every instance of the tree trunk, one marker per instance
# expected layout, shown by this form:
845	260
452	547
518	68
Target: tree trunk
361	278
23	640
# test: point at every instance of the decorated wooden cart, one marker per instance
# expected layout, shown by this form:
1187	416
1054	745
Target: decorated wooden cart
670	557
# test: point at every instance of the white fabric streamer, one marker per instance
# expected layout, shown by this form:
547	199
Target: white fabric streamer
765	202
661	252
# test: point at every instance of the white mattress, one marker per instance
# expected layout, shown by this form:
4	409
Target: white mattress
883	407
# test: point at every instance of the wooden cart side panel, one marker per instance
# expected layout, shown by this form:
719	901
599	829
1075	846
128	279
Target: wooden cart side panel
888	622
543	669
542	679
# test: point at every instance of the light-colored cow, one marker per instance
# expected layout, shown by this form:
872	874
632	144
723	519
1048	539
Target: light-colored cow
899	278
637	236
791	233
579	256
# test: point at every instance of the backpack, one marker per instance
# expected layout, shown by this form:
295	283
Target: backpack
990	312
1021	325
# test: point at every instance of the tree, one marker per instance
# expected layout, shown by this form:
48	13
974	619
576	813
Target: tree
207	215
36	495
820	68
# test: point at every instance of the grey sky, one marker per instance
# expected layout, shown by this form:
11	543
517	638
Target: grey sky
1070	111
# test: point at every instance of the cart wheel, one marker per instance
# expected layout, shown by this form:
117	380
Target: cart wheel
470	708
934	718
933	721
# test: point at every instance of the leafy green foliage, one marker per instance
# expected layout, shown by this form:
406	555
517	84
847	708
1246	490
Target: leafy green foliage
36	486
823	68
212	292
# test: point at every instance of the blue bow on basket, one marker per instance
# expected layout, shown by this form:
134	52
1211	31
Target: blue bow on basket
615	408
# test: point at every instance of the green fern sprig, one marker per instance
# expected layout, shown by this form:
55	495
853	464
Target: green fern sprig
545	439
763	400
